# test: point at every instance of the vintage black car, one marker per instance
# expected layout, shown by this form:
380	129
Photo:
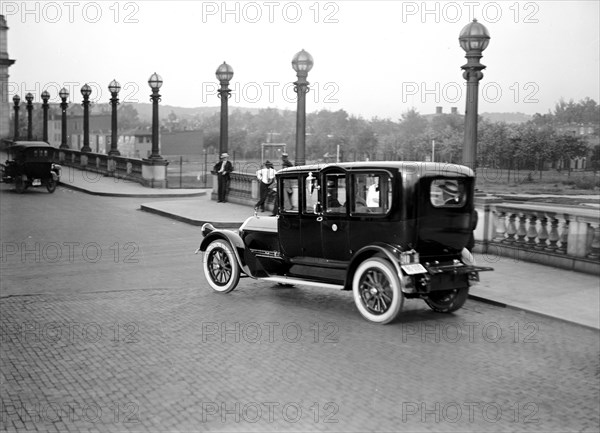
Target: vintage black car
30	164
385	230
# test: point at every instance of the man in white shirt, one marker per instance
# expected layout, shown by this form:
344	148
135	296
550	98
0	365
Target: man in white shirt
265	175
373	194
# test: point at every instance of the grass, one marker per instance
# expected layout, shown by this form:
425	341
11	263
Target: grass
563	184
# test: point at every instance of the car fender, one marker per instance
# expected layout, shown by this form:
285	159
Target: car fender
211	233
389	251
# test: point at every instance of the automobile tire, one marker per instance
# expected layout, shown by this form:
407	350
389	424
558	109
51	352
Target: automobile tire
221	268
51	185
377	290
20	185
447	301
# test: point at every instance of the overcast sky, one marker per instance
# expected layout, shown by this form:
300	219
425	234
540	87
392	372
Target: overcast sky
371	58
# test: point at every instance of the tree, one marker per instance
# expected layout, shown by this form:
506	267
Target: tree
413	139
566	147
127	117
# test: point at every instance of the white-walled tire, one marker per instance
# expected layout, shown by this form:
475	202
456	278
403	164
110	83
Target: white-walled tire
377	291
221	268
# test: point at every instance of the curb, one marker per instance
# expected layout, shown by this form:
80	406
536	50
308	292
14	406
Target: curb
526	310
117	194
194	222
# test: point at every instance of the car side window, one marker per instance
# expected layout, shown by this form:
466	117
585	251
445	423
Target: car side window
335	202
290	195
372	193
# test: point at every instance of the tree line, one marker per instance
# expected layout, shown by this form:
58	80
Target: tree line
529	145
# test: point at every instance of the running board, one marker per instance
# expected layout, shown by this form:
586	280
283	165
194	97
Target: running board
299	282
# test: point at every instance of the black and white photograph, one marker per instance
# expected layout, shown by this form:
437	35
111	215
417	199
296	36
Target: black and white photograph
300	216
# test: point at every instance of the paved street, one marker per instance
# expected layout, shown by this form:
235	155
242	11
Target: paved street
107	324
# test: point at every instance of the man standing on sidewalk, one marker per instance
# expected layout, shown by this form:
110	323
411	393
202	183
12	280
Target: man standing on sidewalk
265	175
222	169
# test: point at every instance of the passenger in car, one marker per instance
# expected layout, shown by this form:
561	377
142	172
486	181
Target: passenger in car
373	194
333	204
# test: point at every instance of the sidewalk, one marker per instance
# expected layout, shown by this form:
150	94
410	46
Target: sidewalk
565	295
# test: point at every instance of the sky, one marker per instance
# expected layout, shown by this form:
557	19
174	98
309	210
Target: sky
371	58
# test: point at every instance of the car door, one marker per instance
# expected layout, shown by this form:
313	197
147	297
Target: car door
310	216
371	201
335	225
288	222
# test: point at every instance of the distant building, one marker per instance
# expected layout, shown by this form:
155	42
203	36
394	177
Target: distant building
5	63
588	132
132	143
182	143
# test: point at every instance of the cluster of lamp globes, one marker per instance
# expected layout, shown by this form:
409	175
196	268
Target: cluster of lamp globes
473	38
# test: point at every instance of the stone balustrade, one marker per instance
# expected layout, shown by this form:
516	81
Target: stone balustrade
114	166
562	236
243	189
149	173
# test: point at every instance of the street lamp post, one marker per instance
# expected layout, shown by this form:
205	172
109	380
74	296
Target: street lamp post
114	87
45	98
224	75
302	64
155	82
473	38
86	91
64	94
16	100
29	99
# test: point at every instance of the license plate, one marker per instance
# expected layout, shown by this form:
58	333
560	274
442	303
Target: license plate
36	182
414	268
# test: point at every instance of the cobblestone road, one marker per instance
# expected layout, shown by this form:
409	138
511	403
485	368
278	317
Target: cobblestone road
94	344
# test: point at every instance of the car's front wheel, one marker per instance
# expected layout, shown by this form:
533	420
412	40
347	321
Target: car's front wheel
51	185
377	290
220	266
447	301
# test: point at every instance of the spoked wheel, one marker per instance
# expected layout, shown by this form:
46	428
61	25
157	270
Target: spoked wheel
20	184
51	185
377	290
448	301
221	267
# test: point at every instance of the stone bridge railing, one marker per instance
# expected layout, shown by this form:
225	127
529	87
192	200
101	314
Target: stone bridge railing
243	189
115	166
566	237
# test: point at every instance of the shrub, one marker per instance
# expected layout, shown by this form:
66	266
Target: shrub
583	182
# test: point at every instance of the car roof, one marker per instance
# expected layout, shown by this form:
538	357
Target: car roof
417	168
30	144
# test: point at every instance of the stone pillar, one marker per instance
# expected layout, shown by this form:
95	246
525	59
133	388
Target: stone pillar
154	172
5	63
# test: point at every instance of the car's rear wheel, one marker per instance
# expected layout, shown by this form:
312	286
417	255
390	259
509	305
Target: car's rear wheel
51	185
220	266
377	290
20	184
447	301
